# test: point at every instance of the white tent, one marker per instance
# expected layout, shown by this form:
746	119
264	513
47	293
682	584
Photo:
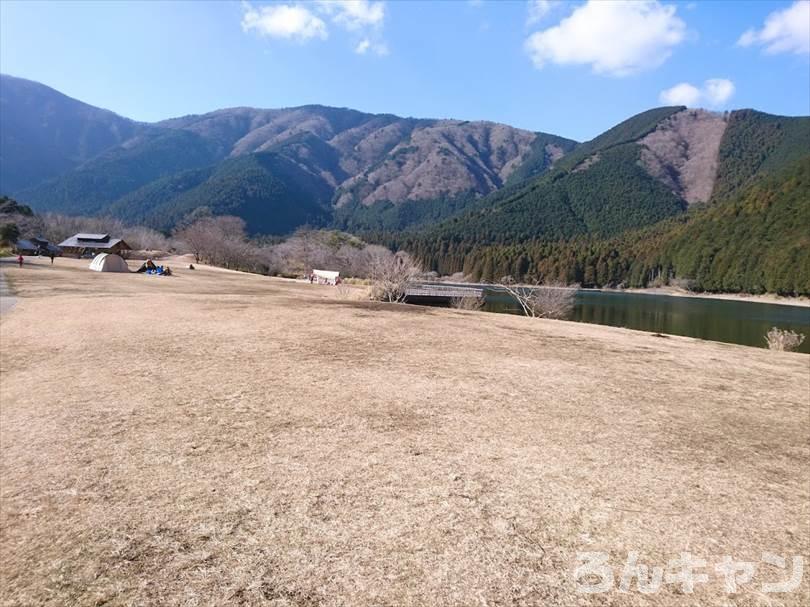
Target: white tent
105	262
326	277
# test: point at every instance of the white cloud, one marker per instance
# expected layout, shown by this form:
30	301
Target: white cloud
362	18
718	91
283	21
537	9
785	31
616	38
354	14
365	45
714	93
681	94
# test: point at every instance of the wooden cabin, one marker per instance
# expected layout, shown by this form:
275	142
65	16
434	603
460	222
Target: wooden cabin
81	245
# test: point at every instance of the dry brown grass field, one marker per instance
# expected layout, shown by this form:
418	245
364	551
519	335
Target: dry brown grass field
218	438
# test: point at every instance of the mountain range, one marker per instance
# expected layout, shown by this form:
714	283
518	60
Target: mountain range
275	167
457	192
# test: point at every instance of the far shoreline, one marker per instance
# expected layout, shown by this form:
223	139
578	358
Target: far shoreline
800	301
768	298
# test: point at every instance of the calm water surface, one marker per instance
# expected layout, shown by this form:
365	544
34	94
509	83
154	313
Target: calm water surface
736	322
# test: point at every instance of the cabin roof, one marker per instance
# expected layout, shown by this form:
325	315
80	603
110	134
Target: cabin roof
89	243
95	237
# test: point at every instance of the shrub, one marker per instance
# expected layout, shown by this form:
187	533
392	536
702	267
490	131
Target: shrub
467	303
783	340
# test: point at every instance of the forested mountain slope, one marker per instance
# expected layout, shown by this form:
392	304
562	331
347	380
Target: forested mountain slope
94	186
365	159
718	199
652	166
754	241
272	194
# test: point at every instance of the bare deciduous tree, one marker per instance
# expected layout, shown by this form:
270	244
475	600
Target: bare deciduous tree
218	241
390	274
547	300
146	239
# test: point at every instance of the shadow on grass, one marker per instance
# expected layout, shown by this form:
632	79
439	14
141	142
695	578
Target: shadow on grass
378	306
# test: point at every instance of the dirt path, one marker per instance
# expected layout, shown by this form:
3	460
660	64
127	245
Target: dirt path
217	438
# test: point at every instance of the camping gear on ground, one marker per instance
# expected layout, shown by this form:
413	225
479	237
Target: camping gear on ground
147	266
159	271
106	262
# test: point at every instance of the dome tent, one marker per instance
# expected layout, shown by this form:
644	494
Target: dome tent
105	262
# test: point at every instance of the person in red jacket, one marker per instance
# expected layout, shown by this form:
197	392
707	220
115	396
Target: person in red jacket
20	260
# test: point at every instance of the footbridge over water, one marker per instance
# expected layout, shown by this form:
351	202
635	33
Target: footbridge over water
440	294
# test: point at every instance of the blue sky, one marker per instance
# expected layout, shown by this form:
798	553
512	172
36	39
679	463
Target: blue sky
572	69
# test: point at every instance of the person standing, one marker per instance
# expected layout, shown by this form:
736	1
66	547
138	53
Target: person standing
51	258
20	260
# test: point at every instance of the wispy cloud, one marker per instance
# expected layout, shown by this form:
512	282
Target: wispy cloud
538	9
366	45
363	19
354	14
785	31
714	93
615	38
283	21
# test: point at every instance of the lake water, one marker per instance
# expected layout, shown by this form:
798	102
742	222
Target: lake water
736	322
